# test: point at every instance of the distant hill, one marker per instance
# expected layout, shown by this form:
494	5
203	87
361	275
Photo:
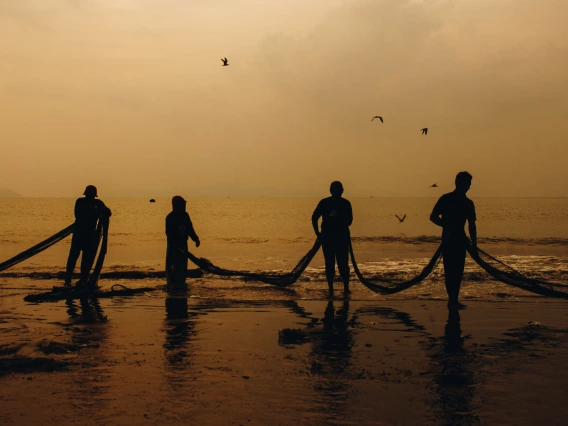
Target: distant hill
8	193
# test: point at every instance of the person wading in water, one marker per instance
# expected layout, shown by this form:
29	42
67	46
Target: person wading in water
337	216
88	212
178	230
451	212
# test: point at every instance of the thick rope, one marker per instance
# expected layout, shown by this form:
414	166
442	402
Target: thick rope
392	287
283	279
38	248
515	278
490	264
102	228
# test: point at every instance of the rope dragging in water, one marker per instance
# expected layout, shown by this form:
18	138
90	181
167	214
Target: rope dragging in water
283	279
488	263
38	248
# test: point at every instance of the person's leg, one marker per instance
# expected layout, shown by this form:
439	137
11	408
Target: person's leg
89	249
454	262
342	255
179	262
169	266
329	257
74	252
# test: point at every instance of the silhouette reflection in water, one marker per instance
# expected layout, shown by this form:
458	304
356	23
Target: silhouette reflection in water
91	310
89	390
178	329
331	357
179	332
454	381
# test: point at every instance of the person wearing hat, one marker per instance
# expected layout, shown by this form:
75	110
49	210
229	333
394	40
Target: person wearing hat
337	216
178	230
88	211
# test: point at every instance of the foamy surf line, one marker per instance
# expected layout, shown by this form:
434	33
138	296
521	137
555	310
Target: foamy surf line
549	268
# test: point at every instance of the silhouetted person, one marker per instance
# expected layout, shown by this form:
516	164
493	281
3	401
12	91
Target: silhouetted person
178	230
337	216
88	212
451	212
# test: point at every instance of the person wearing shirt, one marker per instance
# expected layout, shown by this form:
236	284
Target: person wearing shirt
88	212
337	216
178	230
451	213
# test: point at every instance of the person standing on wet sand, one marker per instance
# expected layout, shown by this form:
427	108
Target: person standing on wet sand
88	212
337	216
451	212
178	230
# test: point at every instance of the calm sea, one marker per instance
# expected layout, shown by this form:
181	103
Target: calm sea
530	234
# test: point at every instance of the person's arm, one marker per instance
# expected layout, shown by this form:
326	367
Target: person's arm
191	232
171	229
78	209
435	217
472	227
105	211
315	217
349	218
473	233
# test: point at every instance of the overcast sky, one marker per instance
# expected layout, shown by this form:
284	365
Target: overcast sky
130	95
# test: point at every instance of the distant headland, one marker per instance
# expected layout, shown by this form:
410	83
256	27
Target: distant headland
8	193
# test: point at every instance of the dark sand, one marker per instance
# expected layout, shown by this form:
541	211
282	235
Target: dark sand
152	360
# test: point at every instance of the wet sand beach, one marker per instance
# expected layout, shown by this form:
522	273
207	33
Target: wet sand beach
178	359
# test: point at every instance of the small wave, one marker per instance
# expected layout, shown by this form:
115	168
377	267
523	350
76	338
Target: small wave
411	240
243	240
125	275
435	239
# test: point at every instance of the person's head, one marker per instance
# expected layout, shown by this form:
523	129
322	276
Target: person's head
336	188
178	204
90	191
463	181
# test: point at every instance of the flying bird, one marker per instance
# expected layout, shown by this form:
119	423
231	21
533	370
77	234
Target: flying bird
434	185
225	62
399	219
425	131
379	117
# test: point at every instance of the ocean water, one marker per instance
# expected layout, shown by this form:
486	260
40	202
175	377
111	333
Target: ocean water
269	234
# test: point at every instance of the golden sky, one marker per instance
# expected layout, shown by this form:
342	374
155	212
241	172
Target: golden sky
130	95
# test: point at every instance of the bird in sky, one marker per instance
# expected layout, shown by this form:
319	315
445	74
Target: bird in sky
399	219
379	117
425	131
434	185
225	62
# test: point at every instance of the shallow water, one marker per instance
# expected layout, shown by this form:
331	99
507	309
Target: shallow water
158	359
272	234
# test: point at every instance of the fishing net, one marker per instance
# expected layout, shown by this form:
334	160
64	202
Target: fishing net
284	279
38	248
386	286
488	263
280	279
508	275
381	285
102	232
102	242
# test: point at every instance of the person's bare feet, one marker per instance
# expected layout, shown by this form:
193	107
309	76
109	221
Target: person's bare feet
456	305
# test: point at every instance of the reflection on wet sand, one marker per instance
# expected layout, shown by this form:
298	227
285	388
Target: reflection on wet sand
179	345
91	310
454	381
330	359
178	327
89	332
